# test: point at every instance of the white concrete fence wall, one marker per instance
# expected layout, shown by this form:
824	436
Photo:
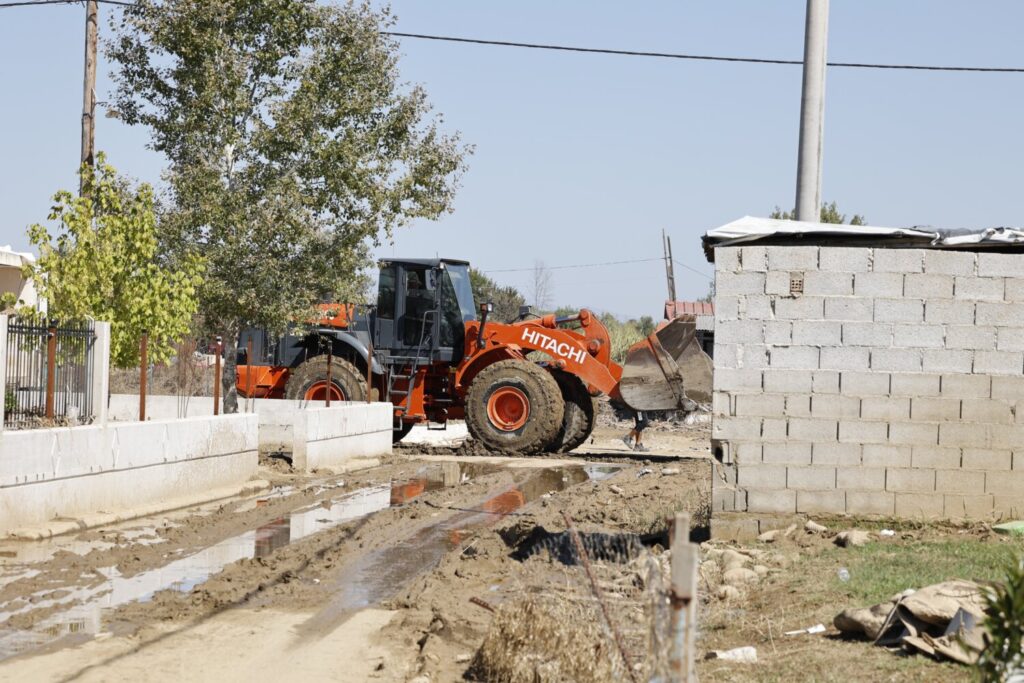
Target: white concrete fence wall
892	385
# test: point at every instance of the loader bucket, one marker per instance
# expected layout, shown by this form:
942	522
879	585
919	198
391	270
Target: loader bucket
668	370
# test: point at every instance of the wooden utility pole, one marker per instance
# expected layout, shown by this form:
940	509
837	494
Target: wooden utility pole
812	113
666	247
89	84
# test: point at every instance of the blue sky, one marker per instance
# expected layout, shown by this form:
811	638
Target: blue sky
586	158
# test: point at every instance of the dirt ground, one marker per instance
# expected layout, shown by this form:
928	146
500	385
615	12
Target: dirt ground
436	566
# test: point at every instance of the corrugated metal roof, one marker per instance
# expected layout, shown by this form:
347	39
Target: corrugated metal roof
677	308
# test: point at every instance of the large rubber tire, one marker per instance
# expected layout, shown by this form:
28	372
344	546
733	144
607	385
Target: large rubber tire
347	381
578	421
534	387
399	434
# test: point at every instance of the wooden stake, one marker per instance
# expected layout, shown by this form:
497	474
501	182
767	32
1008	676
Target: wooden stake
89	85
216	378
685	558
143	363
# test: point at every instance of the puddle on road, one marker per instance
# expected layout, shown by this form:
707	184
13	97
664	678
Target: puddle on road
375	576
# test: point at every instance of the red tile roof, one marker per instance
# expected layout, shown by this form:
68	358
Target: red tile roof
676	308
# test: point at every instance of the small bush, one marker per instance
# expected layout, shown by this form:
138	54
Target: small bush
1003	656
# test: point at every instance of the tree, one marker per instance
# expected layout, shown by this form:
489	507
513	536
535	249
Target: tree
541	286
507	300
292	147
103	264
829	214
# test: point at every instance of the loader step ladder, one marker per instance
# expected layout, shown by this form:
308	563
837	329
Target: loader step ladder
413	364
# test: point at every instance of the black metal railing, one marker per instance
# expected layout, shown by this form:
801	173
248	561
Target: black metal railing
49	374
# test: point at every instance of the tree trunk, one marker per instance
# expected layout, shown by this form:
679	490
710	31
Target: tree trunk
229	385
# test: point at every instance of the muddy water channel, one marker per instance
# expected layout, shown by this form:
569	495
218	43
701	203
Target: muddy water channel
80	611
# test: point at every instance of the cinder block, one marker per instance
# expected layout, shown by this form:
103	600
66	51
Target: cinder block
986	410
817	333
803	429
1010	339
967	386
1000	265
721	403
919	336
914	433
778	332
792	258
723	499
1009	388
968	507
1014	289
1018	460
1004	436
786	453
909	480
760	405
844	259
980	288
739	332
761	476
777	283
1006	484
920	505
834	453
950	262
881	408
752	356
810	478
755	307
928	286
744	452
959	481
861	478
898	260
727	355
754	259
950	312
774	429
998	363
988	459
935	457
844	358
870	503
821	502
793	357
884	455
800	308
971	337
853	431
963	435
736	427
1009	315
788	381
726	379
947	360
896	360
867	334
849	308
821	283
727	307
876	285
825	382
934	409
738	283
835	406
798	405
771	501
864	383
899	310
915	384
727	258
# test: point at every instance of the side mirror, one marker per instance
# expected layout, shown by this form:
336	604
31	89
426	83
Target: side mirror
525	311
486	308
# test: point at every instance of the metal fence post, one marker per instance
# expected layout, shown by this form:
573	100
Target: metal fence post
51	367
216	378
101	373
369	373
143	372
683	597
3	367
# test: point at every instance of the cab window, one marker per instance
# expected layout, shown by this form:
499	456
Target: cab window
386	294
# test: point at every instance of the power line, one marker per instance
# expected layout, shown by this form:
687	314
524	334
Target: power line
691	268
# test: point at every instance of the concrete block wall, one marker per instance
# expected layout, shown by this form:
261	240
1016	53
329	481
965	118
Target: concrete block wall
892	384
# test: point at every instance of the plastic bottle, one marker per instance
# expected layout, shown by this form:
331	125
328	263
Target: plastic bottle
843	574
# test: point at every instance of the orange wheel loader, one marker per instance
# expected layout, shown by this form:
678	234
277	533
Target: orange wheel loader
426	348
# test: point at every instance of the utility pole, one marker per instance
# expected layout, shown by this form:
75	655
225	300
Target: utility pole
666	247
812	113
89	85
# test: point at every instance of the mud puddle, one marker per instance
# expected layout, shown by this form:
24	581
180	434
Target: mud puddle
80	611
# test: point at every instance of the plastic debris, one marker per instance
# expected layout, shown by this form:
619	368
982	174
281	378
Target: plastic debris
817	628
887	533
747	655
843	574
814	528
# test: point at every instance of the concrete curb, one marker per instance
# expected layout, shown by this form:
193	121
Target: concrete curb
351	465
90	521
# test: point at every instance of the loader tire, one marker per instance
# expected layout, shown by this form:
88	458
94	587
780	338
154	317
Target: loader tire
399	433
514	405
578	421
308	382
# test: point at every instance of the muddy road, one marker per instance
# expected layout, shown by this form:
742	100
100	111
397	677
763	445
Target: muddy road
391	573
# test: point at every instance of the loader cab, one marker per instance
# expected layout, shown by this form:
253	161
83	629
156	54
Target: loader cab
422	308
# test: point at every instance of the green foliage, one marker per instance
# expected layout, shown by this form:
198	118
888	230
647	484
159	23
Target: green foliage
1004	651
292	145
623	335
829	214
506	300
103	263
